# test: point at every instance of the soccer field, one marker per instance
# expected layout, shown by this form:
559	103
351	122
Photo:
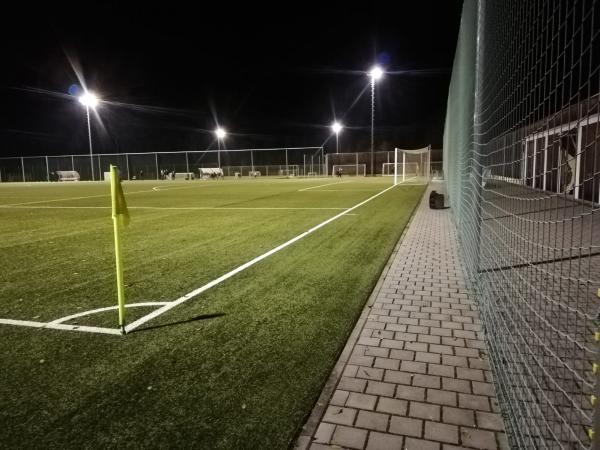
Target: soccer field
232	363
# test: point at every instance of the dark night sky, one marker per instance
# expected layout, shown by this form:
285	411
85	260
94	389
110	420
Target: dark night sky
272	75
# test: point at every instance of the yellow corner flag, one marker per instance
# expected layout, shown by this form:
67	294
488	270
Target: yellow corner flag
120	216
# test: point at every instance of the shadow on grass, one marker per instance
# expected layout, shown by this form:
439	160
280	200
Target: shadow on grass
179	322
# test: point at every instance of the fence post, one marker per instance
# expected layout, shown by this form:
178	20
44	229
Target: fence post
23	168
156	163
286	162
252	160
47	170
578	161
545	160
127	164
356	162
395	166
72	163
593	432
187	163
403	166
534	163
304	164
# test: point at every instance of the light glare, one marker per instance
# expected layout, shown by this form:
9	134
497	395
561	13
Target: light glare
336	127
376	73
89	99
220	132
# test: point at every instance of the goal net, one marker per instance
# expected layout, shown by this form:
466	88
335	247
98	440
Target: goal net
408	169
349	169
67	175
291	170
410	163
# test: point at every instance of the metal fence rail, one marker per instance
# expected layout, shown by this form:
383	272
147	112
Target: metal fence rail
522	163
268	161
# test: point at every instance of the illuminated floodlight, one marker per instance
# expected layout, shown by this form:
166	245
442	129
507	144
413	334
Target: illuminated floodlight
89	100
220	132
336	127
376	73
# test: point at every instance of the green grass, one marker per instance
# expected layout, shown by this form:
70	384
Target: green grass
241	365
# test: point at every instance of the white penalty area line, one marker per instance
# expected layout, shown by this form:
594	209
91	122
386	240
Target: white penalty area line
321	185
154	314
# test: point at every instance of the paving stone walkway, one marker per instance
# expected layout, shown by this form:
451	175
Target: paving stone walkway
414	374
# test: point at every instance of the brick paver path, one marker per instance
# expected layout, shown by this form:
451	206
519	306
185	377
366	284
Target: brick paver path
417	377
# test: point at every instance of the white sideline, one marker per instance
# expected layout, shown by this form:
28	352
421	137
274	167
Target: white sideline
177	208
60	326
132	326
321	185
98	196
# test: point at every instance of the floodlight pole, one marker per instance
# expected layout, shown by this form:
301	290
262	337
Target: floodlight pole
372	122
219	152
87	113
337	142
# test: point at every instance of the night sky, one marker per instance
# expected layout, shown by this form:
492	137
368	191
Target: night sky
273	76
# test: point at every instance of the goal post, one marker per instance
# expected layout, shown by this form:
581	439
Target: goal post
349	169
409	164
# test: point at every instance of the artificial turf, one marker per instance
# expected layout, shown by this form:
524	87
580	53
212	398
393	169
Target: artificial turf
241	365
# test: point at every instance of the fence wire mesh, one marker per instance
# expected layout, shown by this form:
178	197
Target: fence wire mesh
268	162
522	159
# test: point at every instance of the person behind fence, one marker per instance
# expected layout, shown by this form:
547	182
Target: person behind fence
339	172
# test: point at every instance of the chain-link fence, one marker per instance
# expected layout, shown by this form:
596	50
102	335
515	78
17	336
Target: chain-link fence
134	166
522	160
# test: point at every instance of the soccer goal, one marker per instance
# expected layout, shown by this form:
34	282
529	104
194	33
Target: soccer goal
67	175
409	164
291	170
349	169
409	169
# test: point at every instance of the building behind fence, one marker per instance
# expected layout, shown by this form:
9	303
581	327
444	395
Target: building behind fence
522	160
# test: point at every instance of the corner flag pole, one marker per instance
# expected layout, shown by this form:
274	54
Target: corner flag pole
119	211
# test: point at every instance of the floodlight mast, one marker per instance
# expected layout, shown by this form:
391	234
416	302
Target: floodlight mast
337	128
89	100
375	73
220	133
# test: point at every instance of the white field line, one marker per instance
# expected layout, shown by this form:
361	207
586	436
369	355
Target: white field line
98	196
60	326
107	308
132	326
321	185
177	208
346	190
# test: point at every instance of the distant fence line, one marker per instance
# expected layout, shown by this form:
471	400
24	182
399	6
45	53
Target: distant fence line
302	161
149	165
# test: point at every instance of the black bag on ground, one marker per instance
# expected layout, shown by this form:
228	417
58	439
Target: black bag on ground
436	201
